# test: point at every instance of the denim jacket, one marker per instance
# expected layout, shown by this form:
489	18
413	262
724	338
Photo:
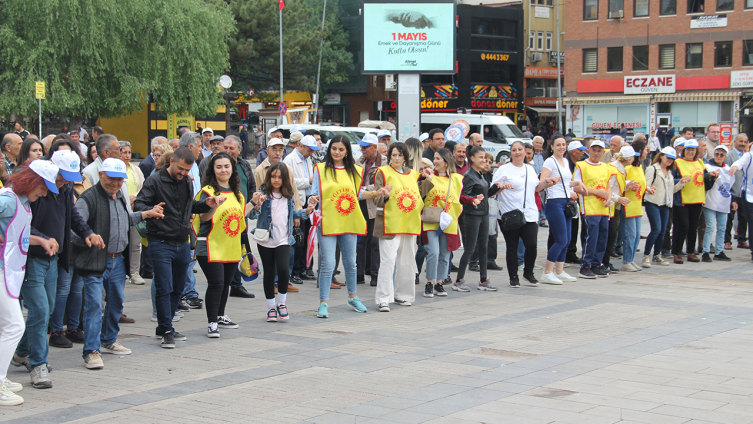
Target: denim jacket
264	217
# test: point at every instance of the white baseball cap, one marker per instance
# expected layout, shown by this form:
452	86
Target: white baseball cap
598	143
669	152
423	137
295	137
48	171
628	152
272	131
691	144
722	147
575	145
679	142
69	164
274	142
296	128
207	129
114	168
368	140
384	133
310	142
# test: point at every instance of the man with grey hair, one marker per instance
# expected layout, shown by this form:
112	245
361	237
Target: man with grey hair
174	143
615	144
148	164
217	145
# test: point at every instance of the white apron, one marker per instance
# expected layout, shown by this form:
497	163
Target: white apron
16	247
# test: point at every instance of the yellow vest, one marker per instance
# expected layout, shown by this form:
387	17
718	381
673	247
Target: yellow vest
437	197
402	213
594	177
228	223
694	191
635	207
613	170
341	213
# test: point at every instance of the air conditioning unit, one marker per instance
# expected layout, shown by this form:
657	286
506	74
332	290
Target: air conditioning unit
536	57
553	92
535	92
616	14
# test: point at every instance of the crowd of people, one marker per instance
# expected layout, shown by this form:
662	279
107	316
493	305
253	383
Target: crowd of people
67	256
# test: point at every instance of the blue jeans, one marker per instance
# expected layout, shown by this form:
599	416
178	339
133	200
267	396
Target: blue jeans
631	237
39	292
327	246
68	300
190	291
102	328
560	227
658	217
170	265
718	220
421	255
437	256
596	240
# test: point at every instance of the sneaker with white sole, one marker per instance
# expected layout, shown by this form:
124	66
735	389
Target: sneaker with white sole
282	312
212	331
627	267
93	361
225	322
636	266
566	278
40	378
323	311
486	286
429	290
14	387
551	278
272	315
439	290
460	286
137	280
357	305
658	260
646	262
402	302
8	397
384	307
115	349
586	273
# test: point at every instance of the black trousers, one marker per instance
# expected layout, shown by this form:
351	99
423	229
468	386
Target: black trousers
614	229
528	233
572	250
367	251
275	261
476	237
701	232
685	227
667	247
491	250
219	276
299	261
145	267
742	222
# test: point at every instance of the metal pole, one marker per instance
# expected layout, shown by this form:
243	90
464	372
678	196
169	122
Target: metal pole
319	68
560	106
281	90
40	119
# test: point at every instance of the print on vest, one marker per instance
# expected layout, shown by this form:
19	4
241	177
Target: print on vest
345	202
24	242
599	185
231	222
638	194
406	199
724	190
698	177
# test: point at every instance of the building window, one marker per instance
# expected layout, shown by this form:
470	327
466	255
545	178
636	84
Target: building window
548	41
590	10
693	55
749	4
667	56
695	6
668	7
748	52
540	41
640	8
531	39
725	5
640	58
614	59
590	60
616	5
723	54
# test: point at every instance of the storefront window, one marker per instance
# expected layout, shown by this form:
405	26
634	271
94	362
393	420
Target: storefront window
590	10
641	8
614	59
694	114
667	56
668	7
695	6
605	119
725	5
640	58
694	55
748	52
723	55
590	60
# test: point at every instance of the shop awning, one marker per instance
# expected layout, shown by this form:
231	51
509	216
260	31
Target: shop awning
728	96
545	111
606	100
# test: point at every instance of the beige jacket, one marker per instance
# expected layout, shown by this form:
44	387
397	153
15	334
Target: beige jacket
371	208
260	173
655	178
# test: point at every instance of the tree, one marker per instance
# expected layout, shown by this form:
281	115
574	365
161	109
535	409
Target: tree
106	56
255	49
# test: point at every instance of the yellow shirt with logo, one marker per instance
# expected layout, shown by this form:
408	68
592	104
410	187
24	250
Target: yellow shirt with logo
341	213
614	171
227	225
437	196
402	212
635	207
595	177
694	191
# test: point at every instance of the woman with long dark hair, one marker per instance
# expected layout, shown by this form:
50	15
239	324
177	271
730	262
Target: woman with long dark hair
274	206
31	149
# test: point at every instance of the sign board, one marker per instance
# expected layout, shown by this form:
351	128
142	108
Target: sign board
40	91
542	12
408	37
726	137
554	55
532	72
283	108
708	21
332	99
649	84
741	79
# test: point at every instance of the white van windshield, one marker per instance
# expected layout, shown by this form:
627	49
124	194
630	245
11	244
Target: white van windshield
501	132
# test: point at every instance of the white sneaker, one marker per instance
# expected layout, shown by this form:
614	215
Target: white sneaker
551	278
646	262
94	361
14	387
137	280
565	277
537	266
627	267
115	349
154	317
8	397
383	307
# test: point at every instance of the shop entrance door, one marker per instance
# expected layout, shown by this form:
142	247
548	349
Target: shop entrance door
664	120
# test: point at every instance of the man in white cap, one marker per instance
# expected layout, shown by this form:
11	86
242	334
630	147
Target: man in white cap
293	143
367	249
104	209
384	137
424	138
206	135
263	152
299	161
217	144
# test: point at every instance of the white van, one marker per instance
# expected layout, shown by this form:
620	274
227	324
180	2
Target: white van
499	132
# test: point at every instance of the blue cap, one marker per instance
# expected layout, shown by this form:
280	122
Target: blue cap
369	140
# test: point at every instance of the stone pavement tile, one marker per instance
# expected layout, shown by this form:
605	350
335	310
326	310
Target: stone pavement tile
468	381
723	397
552	415
677	400
454	403
632	415
508	387
737	408
700	414
371	411
408	417
580	366
543	397
336	418
619	375
482	416
632	387
617	402
609	389
396	402
451	420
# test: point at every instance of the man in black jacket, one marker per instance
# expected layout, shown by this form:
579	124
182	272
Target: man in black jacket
244	139
168	237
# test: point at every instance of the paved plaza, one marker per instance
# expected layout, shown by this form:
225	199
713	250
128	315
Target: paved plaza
667	345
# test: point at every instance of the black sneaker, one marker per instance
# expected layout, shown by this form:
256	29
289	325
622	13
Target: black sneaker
168	340
76	336
531	279
474	267
57	339
296	280
439	290
586	273
601	272
373	281
241	292
179	337
429	290
721	257
225	322
212	331
308	275
183	306
446	281
611	268
706	257
453	268
361	279
194	303
515	282
417	278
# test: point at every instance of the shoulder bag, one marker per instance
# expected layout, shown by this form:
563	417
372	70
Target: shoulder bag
432	214
515	219
571	208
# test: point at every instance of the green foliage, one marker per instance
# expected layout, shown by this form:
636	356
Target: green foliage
105	56
255	49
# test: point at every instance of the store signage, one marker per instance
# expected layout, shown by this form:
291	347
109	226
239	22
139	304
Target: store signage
332	99
741	79
532	72
708	21
554	55
649	84
498	57
613	125
726	136
494	104
541	101
541	12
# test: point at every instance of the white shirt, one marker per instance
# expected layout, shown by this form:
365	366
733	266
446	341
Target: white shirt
557	191
511	199
719	197
280	233
745	165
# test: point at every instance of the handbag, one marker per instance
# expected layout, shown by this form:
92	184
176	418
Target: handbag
515	219
299	236
571	208
433	214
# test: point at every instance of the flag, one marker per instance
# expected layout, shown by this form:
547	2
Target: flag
282	4
316	219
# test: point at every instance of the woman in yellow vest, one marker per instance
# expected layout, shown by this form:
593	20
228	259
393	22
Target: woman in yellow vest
397	224
688	203
218	238
635	188
337	182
